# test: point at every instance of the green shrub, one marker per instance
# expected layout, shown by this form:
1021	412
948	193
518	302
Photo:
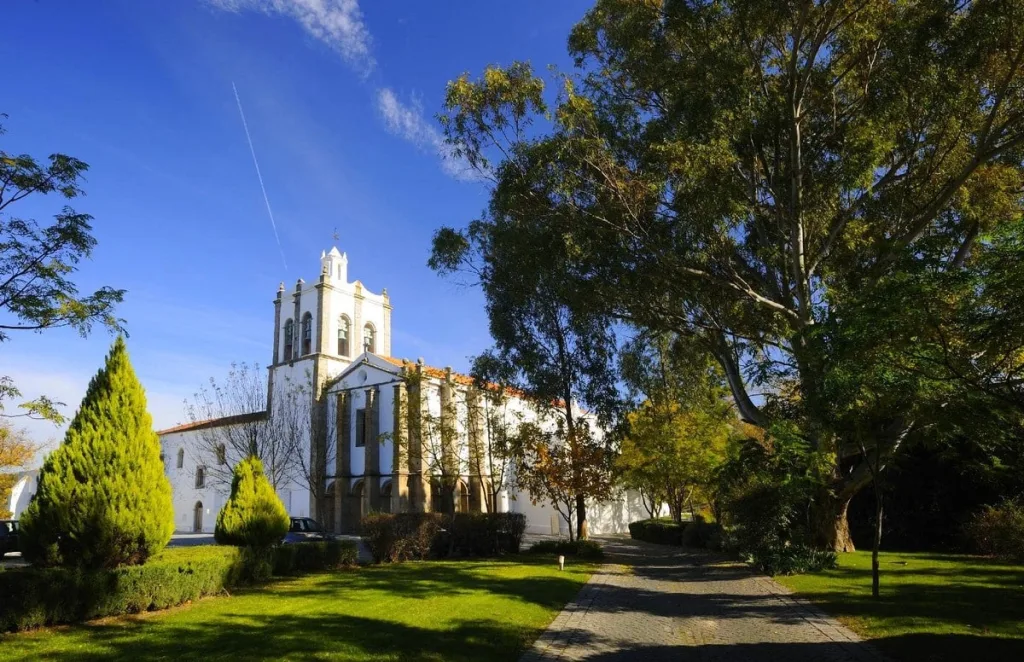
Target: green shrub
412	536
254	515
999	530
659	531
103	500
314	556
402	536
33	597
584	549
702	534
43	596
790	559
482	534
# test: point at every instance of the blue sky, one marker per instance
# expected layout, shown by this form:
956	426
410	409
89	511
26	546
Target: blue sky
340	98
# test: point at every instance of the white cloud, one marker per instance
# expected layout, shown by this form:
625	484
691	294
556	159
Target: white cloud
337	23
407	121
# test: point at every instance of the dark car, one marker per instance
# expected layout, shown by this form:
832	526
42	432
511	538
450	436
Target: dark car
8	536
305	529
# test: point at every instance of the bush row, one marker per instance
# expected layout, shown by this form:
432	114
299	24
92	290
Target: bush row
584	549
412	536
790	559
659	531
33	597
999	530
698	533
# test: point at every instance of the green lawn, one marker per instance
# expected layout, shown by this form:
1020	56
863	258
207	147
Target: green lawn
465	610
932	606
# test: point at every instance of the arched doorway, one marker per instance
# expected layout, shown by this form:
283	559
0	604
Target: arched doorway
357	493
197	517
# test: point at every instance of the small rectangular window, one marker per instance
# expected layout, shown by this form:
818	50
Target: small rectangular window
360	428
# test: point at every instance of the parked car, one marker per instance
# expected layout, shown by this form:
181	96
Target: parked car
8	536
305	529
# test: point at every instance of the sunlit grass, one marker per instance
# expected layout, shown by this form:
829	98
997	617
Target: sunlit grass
464	610
931	607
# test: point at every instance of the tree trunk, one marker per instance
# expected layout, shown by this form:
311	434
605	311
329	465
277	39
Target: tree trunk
581	516
878	543
830	527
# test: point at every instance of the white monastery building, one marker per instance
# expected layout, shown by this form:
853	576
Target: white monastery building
383	434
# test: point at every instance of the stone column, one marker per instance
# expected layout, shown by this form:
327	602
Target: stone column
419	463
371	452
342	460
450	460
400	449
345	455
475	403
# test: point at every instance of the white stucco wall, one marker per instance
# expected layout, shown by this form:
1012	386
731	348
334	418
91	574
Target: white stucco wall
22	492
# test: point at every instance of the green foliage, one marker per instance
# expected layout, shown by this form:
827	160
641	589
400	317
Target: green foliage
771	179
416	536
35	597
999	530
299	558
484	534
254	515
45	596
584	549
659	531
791	559
701	534
36	263
103	500
401	536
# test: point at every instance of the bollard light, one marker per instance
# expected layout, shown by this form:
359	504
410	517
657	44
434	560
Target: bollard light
561	562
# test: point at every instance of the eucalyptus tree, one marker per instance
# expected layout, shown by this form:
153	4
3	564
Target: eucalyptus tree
758	175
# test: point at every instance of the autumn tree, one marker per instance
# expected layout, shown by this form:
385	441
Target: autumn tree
677	436
754	175
16	452
37	263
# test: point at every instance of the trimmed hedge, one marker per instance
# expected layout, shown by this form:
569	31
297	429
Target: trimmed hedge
584	549
33	597
659	531
699	533
394	538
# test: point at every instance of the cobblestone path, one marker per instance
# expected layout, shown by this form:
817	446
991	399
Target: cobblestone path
652	603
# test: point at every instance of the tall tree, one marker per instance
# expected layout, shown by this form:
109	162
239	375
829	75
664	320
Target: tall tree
36	263
103	499
556	352
750	173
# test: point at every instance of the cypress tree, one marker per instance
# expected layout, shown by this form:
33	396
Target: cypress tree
254	515
103	499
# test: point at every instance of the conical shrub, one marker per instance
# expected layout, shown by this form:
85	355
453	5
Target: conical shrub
254	515
103	499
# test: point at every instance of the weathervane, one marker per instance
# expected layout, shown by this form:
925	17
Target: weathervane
335	234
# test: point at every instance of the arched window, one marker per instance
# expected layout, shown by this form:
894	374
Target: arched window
289	339
181	458
222	454
200	477
307	334
369	339
385	497
463	504
344	327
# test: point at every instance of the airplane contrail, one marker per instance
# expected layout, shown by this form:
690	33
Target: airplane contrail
259	175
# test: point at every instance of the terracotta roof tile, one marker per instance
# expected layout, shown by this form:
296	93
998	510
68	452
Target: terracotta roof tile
216	422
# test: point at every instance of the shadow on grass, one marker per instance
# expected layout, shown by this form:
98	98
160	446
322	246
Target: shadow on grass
279	636
423	581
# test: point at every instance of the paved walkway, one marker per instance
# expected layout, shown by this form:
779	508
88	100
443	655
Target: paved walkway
653	603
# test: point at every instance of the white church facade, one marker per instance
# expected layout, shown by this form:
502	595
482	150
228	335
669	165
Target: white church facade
384	434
